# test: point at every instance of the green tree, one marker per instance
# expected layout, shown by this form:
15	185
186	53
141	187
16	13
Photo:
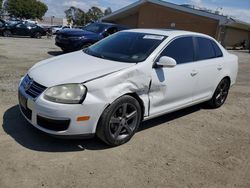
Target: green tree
28	9
79	17
1	3
108	11
94	14
75	15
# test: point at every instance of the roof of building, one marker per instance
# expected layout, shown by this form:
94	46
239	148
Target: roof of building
130	9
133	8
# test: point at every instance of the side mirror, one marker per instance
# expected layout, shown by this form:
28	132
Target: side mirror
166	61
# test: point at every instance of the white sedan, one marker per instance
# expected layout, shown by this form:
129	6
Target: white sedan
131	76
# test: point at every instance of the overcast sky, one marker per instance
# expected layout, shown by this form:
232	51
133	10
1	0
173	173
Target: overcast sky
237	8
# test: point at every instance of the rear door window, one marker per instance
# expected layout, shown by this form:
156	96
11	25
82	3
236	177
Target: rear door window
181	49
205	49
217	49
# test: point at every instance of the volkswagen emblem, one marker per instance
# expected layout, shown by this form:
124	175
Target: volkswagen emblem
28	85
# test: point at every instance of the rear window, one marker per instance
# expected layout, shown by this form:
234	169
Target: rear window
217	49
205	49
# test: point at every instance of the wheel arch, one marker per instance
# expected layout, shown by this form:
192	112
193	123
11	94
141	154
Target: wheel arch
228	78
134	95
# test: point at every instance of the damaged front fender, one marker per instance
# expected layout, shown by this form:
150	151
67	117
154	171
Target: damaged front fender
133	80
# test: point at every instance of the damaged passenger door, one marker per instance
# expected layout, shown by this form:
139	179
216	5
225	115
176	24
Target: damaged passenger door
172	87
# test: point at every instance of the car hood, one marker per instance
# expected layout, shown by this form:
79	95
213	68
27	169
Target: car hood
75	32
76	67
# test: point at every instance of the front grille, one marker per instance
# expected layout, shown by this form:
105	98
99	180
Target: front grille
53	125
32	88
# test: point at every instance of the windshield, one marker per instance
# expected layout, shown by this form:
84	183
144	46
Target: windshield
126	47
95	28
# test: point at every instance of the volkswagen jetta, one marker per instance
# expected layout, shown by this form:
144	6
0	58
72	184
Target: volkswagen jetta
131	76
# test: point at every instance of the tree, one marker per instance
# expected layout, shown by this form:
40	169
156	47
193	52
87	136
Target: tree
75	15
27	9
108	11
79	17
1	3
94	14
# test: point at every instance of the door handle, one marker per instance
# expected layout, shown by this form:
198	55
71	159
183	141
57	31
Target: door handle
220	67
194	73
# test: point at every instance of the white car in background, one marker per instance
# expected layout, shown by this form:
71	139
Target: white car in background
55	29
131	76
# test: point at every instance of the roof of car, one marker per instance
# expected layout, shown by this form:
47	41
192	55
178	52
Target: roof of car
166	32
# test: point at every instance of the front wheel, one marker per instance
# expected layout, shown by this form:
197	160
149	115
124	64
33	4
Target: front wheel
86	45
119	121
220	94
7	33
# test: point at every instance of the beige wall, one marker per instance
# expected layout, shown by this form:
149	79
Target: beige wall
235	36
131	21
157	16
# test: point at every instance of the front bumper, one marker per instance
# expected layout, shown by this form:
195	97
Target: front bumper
61	119
69	44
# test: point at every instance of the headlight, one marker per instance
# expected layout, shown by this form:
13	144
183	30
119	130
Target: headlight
66	94
76	38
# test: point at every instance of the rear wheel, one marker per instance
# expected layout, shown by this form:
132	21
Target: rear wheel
220	94
38	35
119	121
7	33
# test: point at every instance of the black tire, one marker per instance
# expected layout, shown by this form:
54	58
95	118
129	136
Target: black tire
86	45
7	33
220	94
120	121
65	50
37	35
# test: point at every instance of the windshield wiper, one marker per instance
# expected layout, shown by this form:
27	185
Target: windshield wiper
87	51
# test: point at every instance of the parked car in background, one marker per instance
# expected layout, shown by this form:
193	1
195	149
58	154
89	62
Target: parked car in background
2	24
131	76
55	29
75	39
23	29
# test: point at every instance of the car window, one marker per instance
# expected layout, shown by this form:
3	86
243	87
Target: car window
217	49
112	30
205	49
181	49
95	28
126	47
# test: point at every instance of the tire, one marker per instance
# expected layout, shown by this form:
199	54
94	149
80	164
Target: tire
65	50
37	35
120	121
86	45
7	33
220	94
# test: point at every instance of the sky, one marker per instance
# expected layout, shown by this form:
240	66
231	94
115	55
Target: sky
239	9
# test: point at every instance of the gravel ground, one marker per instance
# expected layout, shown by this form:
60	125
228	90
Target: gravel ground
191	148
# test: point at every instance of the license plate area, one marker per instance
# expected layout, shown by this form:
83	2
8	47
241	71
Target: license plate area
22	100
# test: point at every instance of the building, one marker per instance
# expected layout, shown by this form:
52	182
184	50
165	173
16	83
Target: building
162	14
49	21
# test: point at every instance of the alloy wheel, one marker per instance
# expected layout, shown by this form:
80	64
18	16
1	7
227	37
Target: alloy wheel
222	92
123	121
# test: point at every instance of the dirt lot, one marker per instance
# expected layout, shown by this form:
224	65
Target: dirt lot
194	147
